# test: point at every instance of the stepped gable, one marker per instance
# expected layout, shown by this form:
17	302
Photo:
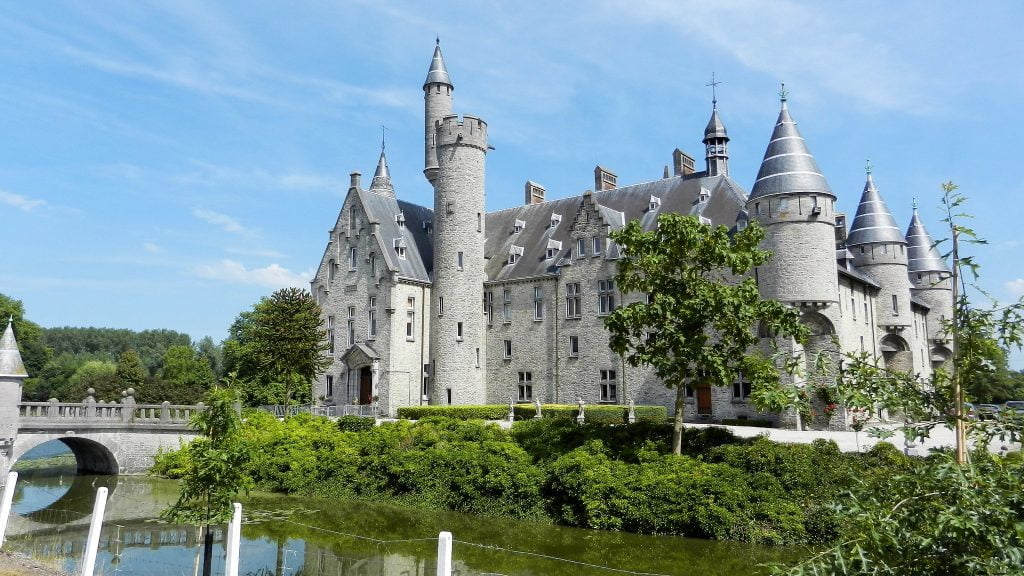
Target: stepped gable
419	249
788	166
873	222
10	357
724	202
922	255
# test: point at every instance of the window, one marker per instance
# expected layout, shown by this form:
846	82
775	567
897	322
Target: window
598	244
440	305
853	307
458	331
572	300
861	343
352	219
459	260
556	219
330	334
574	346
525	386
400	247
400	219
895	305
489	307
506	306
513	257
551	252
351	325
410	320
329	392
689	391
371	318
477	357
352	258
450	207
609	388
479	222
518	227
538	303
507	348
741	388
605	296
330	271
581	247
865	310
373	264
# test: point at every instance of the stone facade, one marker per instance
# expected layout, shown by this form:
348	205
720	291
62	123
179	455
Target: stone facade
525	290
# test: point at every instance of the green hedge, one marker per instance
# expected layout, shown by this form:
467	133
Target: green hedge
594	414
355	423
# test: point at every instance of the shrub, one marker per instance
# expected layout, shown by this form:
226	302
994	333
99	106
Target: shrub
594	414
355	423
474	412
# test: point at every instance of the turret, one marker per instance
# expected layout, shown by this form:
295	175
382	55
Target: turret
931	281
437	103
716	144
796	207
381	183
880	251
457	329
12	376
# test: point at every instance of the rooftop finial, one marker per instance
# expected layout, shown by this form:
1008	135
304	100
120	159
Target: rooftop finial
437	39
783	94
867	167
915	203
382	129
714	96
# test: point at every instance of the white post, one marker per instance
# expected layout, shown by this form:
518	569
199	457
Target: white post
234	538
5	504
89	560
444	554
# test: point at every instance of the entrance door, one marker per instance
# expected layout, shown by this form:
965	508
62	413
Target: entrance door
365	385
703	400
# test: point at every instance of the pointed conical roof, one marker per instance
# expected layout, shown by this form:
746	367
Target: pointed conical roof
10	358
381	183
873	222
788	166
438	73
715	128
922	256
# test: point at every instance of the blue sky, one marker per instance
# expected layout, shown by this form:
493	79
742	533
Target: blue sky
166	164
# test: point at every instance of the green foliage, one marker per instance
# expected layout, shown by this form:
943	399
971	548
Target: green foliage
97	374
593	413
109	343
467	412
34	353
699	324
355	423
130	373
185	376
277	348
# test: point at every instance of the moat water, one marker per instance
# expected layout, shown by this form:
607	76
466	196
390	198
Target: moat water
287	535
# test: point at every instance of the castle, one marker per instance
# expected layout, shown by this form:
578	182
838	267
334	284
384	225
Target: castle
455	305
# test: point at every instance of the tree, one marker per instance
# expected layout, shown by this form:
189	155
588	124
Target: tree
130	373
697	326
34	352
186	375
99	375
277	348
214	355
214	469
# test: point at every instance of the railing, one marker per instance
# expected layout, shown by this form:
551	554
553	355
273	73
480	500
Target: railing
93	412
365	410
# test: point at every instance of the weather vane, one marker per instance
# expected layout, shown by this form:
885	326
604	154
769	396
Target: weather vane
915	202
382	129
714	96
782	93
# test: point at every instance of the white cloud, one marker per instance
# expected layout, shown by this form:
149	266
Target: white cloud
227	223
272	276
1015	287
21	202
152	248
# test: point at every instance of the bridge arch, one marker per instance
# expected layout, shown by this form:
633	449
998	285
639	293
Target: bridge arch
91	456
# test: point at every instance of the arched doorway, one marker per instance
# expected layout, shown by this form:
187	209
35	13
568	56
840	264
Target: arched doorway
896	354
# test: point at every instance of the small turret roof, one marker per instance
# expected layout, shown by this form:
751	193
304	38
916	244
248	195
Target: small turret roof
381	183
788	166
10	358
715	128
922	256
438	73
873	222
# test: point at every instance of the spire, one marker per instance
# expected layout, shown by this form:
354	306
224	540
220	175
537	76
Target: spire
788	166
438	73
715	127
10	358
922	256
873	222
381	183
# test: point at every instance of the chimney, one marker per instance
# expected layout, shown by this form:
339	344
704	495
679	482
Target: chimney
534	193
682	163
353	181
604	179
840	229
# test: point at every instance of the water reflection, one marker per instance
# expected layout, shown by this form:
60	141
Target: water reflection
59	499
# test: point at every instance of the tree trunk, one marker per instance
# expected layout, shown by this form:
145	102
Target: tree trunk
677	421
207	552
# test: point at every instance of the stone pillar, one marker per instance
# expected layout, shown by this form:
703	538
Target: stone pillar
12	376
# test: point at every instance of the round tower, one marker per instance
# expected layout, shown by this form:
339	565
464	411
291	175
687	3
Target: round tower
437	104
932	282
796	207
880	251
457	328
716	144
12	375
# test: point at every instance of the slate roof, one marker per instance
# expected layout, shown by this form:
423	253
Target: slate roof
438	73
788	166
382	209
381	183
715	127
873	222
857	275
10	358
922	256
724	204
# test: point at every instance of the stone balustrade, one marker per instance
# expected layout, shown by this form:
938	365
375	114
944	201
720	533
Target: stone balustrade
90	411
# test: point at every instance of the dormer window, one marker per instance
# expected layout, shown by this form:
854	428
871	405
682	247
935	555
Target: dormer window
514	254
400	247
520	224
654	204
400	219
704	195
556	219
553	248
